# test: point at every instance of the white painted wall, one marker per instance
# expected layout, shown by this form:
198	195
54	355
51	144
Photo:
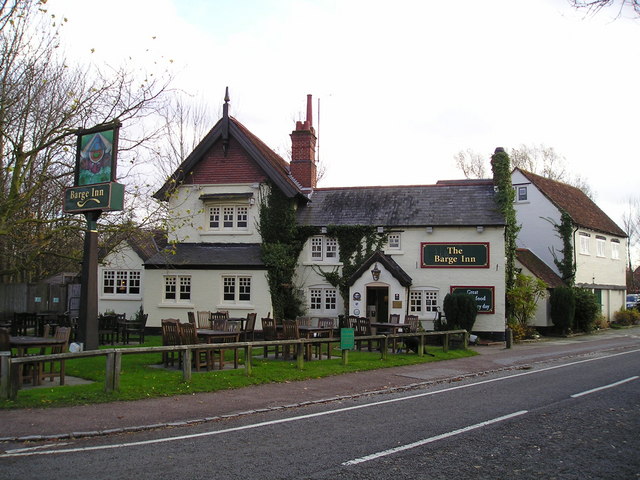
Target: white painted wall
206	294
189	220
122	257
409	259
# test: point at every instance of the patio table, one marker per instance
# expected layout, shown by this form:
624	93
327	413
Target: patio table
221	336
22	344
314	332
389	327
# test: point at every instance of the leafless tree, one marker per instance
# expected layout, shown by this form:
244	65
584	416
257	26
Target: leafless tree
631	225
43	102
472	164
538	159
594	6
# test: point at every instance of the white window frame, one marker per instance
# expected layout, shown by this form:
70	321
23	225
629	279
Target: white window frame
601	243
394	241
181	291
615	249
584	243
226	218
423	301
236	289
323	249
122	283
522	193
323	300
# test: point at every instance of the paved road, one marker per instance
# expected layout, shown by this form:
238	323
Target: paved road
95	420
571	418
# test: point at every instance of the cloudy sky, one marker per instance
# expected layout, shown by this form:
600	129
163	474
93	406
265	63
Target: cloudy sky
402	86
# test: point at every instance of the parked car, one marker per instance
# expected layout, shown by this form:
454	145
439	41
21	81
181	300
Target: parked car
632	300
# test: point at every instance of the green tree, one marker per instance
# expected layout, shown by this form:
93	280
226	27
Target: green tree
587	309
563	306
524	297
505	196
460	311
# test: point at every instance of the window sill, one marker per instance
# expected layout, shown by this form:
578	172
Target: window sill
322	262
110	296
219	233
176	305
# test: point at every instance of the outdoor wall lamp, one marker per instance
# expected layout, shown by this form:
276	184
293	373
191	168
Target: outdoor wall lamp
480	228
323	229
375	273
429	229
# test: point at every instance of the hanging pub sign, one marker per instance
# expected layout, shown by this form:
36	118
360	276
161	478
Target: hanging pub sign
484	296
455	255
95	187
101	196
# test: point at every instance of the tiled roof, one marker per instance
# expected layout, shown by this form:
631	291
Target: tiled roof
540	269
145	243
208	256
274	166
455	204
583	211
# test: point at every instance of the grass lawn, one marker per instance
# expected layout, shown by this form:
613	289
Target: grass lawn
140	377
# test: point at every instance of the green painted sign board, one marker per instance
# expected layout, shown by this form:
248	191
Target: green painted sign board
484	297
347	339
101	196
455	255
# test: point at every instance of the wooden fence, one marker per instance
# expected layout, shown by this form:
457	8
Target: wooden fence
9	366
37	297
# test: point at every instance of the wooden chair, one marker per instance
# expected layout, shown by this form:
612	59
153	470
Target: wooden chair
304	321
24	324
171	336
107	329
219	321
191	316
222	314
199	358
62	333
204	319
325	323
289	332
413	323
248	334
269	333
394	318
135	328
362	328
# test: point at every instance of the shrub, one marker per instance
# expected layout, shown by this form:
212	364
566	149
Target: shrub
524	296
460	311
587	309
563	305
626	317
522	331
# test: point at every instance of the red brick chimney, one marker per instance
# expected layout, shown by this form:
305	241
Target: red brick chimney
303	151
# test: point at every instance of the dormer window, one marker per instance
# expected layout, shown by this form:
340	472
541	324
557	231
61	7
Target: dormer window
227	212
228	217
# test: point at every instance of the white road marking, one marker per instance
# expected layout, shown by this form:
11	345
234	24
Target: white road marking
301	417
419	443
40	447
611	385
